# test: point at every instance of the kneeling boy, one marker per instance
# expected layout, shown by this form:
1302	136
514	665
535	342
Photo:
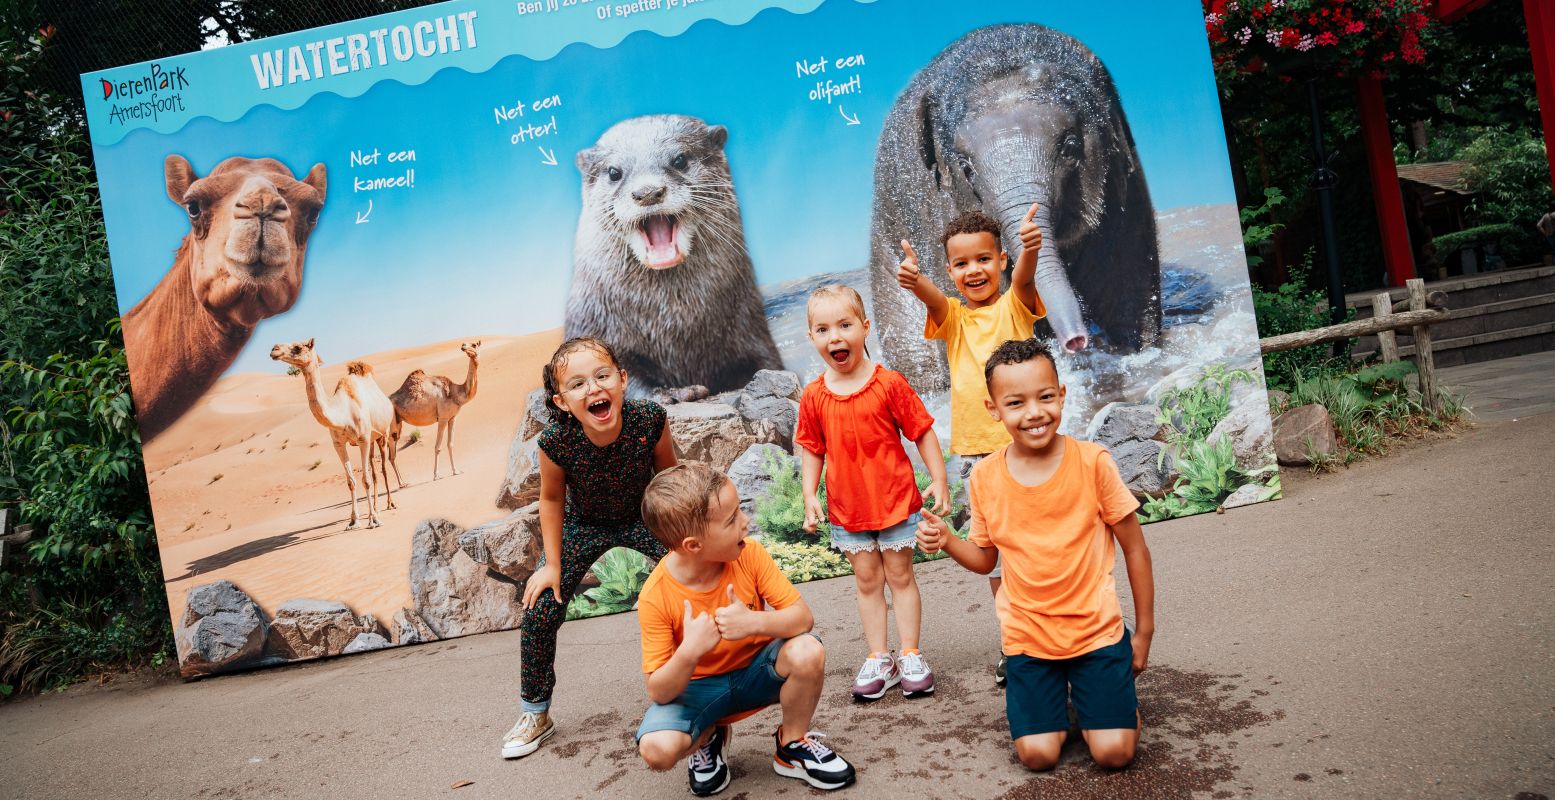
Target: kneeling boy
724	634
1052	507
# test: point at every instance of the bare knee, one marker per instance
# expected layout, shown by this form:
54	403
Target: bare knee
803	655
868	575
1041	751
1113	754
659	753
899	575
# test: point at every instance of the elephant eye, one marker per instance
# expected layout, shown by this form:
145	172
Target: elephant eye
193	207
1070	148
966	165
614	173
679	161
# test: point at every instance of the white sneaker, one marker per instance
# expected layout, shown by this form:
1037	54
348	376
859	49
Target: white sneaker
876	676
917	678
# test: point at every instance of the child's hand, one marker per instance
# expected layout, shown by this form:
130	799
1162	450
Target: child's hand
907	273
939	493
548	576
701	632
813	515
736	620
932	532
1141	644
1030	234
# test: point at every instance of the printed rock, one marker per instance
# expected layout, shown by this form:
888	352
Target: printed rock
222	628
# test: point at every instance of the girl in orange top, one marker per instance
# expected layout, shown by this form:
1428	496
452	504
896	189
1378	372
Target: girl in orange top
851	422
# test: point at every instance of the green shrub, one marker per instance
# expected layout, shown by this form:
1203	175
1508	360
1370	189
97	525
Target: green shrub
1291	309
1510	177
1519	245
1208	474
622	573
780	514
1190	413
806	561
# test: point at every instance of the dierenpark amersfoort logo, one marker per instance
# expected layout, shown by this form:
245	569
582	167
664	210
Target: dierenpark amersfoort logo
155	92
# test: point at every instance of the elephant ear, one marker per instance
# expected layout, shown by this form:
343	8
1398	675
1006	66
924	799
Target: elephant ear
1122	137
928	144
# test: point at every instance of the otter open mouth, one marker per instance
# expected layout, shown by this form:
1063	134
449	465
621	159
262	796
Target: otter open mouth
600	410
661	241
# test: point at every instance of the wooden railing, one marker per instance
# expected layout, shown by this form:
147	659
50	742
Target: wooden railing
1424	310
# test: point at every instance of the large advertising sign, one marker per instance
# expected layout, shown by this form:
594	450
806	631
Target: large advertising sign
344	256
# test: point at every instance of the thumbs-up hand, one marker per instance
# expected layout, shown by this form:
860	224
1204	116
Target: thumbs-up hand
932	532
907	273
701	632
736	620
1030	234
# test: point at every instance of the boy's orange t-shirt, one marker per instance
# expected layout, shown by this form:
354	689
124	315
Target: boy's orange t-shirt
661	613
1058	598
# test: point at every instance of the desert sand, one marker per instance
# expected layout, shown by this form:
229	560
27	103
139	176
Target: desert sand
247	486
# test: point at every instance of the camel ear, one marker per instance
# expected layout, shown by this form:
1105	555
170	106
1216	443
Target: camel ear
716	136
179	175
310	344
316	179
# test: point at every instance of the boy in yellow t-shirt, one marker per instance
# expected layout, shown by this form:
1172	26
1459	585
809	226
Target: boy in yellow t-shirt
972	329
724	635
1053	507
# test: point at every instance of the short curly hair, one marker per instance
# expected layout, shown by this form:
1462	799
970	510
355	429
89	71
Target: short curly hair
1016	351
971	222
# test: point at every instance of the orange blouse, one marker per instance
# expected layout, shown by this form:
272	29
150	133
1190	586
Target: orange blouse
869	481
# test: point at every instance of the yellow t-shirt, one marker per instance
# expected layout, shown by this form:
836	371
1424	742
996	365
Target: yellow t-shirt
1058	598
971	336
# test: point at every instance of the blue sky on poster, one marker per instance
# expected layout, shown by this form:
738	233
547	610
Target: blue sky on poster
482	243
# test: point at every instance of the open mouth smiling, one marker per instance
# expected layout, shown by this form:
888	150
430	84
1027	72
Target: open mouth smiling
660	235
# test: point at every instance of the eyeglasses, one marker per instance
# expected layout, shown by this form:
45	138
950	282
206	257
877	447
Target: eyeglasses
604	379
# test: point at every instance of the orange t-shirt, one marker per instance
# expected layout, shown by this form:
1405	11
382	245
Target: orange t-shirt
661	614
1058	598
869	481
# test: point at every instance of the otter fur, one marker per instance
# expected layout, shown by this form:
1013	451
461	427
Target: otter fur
660	269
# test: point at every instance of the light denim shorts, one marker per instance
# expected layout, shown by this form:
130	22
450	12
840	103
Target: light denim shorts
901	536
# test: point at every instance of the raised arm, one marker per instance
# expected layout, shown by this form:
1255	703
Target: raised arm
1023	280
911	278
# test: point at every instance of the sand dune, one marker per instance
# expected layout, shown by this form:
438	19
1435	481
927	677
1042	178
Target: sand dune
247	485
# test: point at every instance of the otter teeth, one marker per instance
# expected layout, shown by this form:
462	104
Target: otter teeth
661	241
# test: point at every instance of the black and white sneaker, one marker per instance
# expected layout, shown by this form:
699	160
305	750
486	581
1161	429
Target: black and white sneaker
708	771
812	762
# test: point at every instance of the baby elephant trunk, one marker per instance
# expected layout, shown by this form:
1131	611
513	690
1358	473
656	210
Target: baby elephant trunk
1063	308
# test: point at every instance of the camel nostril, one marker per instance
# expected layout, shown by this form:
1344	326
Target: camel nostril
1075	344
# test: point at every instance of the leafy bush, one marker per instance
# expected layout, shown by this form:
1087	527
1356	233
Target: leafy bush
1510	176
1290	309
1207	472
780	514
805	561
1519	245
1190	413
1372	406
622	573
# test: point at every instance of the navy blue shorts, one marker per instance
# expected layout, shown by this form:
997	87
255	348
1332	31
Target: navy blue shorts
707	700
1101	683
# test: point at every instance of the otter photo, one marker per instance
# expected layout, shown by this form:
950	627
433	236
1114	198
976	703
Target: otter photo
341	316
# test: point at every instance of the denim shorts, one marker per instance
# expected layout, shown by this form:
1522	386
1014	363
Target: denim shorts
901	536
707	700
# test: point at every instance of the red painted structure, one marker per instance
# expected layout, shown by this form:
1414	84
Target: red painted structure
1378	136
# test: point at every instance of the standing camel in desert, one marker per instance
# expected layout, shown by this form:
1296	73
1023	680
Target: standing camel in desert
241	262
426	399
357	414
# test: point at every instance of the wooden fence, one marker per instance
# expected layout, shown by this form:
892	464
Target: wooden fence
1424	310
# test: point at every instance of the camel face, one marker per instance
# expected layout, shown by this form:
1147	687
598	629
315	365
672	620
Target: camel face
250	220
298	354
471	350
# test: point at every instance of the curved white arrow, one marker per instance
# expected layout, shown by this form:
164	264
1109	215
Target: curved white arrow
361	216
548	158
853	120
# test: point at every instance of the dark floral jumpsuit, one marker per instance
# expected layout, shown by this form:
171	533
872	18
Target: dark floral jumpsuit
604	498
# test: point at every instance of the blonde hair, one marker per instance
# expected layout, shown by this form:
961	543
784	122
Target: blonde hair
835	291
675	504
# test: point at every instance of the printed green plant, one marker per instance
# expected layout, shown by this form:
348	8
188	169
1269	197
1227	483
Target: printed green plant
622	573
1208	475
804	561
780	515
1192	412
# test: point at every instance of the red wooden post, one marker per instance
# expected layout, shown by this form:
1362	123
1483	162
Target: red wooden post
1378	138
1540	15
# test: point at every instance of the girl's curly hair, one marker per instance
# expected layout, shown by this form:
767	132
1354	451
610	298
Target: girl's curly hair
558	359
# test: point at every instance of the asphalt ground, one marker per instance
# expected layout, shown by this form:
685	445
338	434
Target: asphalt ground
1381	632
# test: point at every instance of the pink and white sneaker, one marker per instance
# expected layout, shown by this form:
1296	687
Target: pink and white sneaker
917	678
876	676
